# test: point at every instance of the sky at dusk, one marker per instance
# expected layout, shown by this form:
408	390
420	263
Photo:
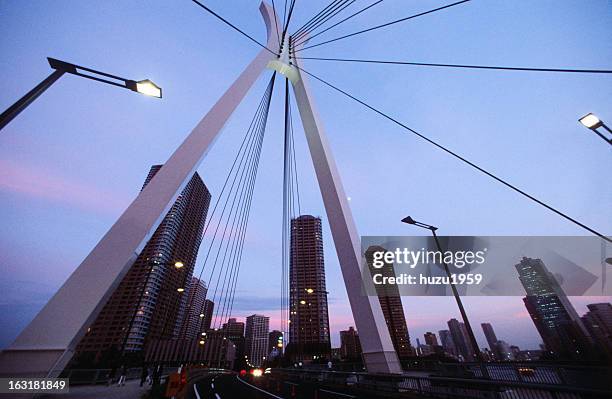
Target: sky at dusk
76	158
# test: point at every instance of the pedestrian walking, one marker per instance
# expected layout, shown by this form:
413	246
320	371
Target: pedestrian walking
144	375
122	376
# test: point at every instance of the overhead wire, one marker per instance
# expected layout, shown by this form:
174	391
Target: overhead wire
285	13
321	22
246	140
383	25
276	22
234	26
246	218
331	4
315	21
462	66
291	210
248	187
289	14
241	166
285	229
246	146
223	311
305	39
457	156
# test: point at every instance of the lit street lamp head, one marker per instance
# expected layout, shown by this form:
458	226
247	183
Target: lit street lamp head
145	87
591	121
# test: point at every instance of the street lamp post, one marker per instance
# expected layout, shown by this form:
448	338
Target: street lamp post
468	326
592	122
145	87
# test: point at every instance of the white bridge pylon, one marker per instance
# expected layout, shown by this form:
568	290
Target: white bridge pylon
47	344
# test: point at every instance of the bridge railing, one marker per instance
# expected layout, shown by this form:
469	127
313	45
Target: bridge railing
102	376
574	375
439	386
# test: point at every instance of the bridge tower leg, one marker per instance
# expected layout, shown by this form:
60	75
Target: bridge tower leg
378	353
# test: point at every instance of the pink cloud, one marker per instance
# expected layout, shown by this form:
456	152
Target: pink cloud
43	184
523	314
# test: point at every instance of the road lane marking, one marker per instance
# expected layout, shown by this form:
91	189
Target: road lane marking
338	393
217	396
259	389
212	385
195	389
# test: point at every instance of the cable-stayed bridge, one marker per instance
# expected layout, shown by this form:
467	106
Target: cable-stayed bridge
47	344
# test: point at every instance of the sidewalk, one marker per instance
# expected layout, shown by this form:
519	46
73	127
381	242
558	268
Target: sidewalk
131	390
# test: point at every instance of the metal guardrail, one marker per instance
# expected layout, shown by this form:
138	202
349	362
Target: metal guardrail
540	383
102	376
571	375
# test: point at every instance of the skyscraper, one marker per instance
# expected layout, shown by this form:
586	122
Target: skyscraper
234	331
192	323
256	339
391	304
149	292
487	328
461	339
598	321
446	339
430	338
207	314
552	313
350	346
309	318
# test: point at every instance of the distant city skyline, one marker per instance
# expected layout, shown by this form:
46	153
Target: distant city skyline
74	160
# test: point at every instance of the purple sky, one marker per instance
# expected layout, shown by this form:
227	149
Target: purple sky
73	161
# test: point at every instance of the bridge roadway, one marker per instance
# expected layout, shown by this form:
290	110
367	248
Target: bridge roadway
226	386
231	386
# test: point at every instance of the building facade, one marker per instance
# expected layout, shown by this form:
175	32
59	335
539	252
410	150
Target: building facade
309	318
489	333
150	301
256	339
430	338
210	350
192	322
461	340
392	307
598	321
446	340
207	314
234	331
350	345
562	331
